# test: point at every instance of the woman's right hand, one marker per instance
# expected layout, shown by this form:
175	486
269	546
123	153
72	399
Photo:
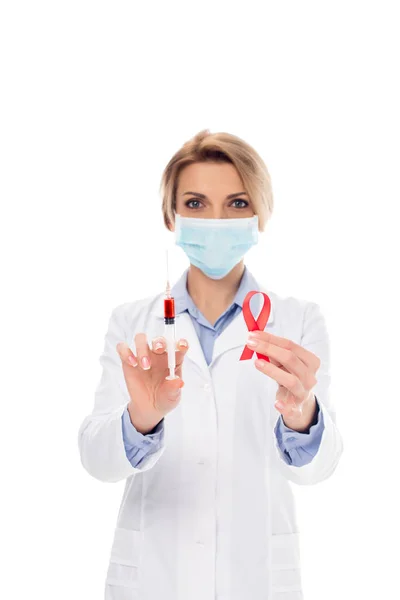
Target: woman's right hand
152	395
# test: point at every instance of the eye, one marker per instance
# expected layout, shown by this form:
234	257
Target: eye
190	202
243	205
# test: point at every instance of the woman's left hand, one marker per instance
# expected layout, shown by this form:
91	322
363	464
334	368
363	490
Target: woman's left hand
293	368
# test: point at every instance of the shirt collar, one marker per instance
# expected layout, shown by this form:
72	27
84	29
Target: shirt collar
183	300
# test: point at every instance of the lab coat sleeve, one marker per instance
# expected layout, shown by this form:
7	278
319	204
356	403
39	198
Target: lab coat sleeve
299	448
138	445
316	339
100	437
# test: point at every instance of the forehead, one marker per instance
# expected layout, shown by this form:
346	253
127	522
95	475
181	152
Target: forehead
210	177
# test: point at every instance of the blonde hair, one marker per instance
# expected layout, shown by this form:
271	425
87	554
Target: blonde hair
220	147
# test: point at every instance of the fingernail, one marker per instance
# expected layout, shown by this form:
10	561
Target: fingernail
132	361
158	345
145	363
260	363
252	342
183	343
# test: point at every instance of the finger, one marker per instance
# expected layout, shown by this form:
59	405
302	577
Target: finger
182	347
289	409
308	358
286	403
288	380
287	358
173	390
143	351
159	345
126	354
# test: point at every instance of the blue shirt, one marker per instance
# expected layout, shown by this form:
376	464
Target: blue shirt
296	448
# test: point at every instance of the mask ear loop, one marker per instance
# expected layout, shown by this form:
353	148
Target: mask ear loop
177	226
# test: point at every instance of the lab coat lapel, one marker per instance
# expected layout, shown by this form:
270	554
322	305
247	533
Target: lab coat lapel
185	329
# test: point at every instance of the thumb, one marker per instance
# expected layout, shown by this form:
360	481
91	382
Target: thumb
172	390
174	385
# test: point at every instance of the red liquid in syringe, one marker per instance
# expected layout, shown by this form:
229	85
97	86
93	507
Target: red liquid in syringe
169	308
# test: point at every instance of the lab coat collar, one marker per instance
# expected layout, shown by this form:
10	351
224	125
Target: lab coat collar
233	336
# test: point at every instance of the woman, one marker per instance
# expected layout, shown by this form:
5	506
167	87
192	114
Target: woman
208	512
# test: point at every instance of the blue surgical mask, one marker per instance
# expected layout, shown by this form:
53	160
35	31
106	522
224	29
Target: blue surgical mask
215	245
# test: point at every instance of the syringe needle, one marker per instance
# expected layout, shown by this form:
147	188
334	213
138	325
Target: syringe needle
168	288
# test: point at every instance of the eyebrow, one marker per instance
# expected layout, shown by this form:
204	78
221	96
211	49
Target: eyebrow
204	197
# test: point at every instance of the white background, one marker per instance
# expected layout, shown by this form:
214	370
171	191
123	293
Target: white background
96	97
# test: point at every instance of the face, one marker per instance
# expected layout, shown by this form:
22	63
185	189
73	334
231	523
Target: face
212	191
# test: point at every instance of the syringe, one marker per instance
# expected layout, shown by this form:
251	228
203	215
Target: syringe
169	320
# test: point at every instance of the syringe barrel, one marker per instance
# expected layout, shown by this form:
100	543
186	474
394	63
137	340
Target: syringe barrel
170	337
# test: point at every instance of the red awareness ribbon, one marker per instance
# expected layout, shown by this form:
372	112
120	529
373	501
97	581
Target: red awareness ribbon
253	325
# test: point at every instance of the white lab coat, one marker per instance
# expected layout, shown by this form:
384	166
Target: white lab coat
211	515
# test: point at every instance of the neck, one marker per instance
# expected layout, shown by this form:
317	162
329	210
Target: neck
213	296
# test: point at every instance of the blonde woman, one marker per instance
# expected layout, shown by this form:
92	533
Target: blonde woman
207	511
